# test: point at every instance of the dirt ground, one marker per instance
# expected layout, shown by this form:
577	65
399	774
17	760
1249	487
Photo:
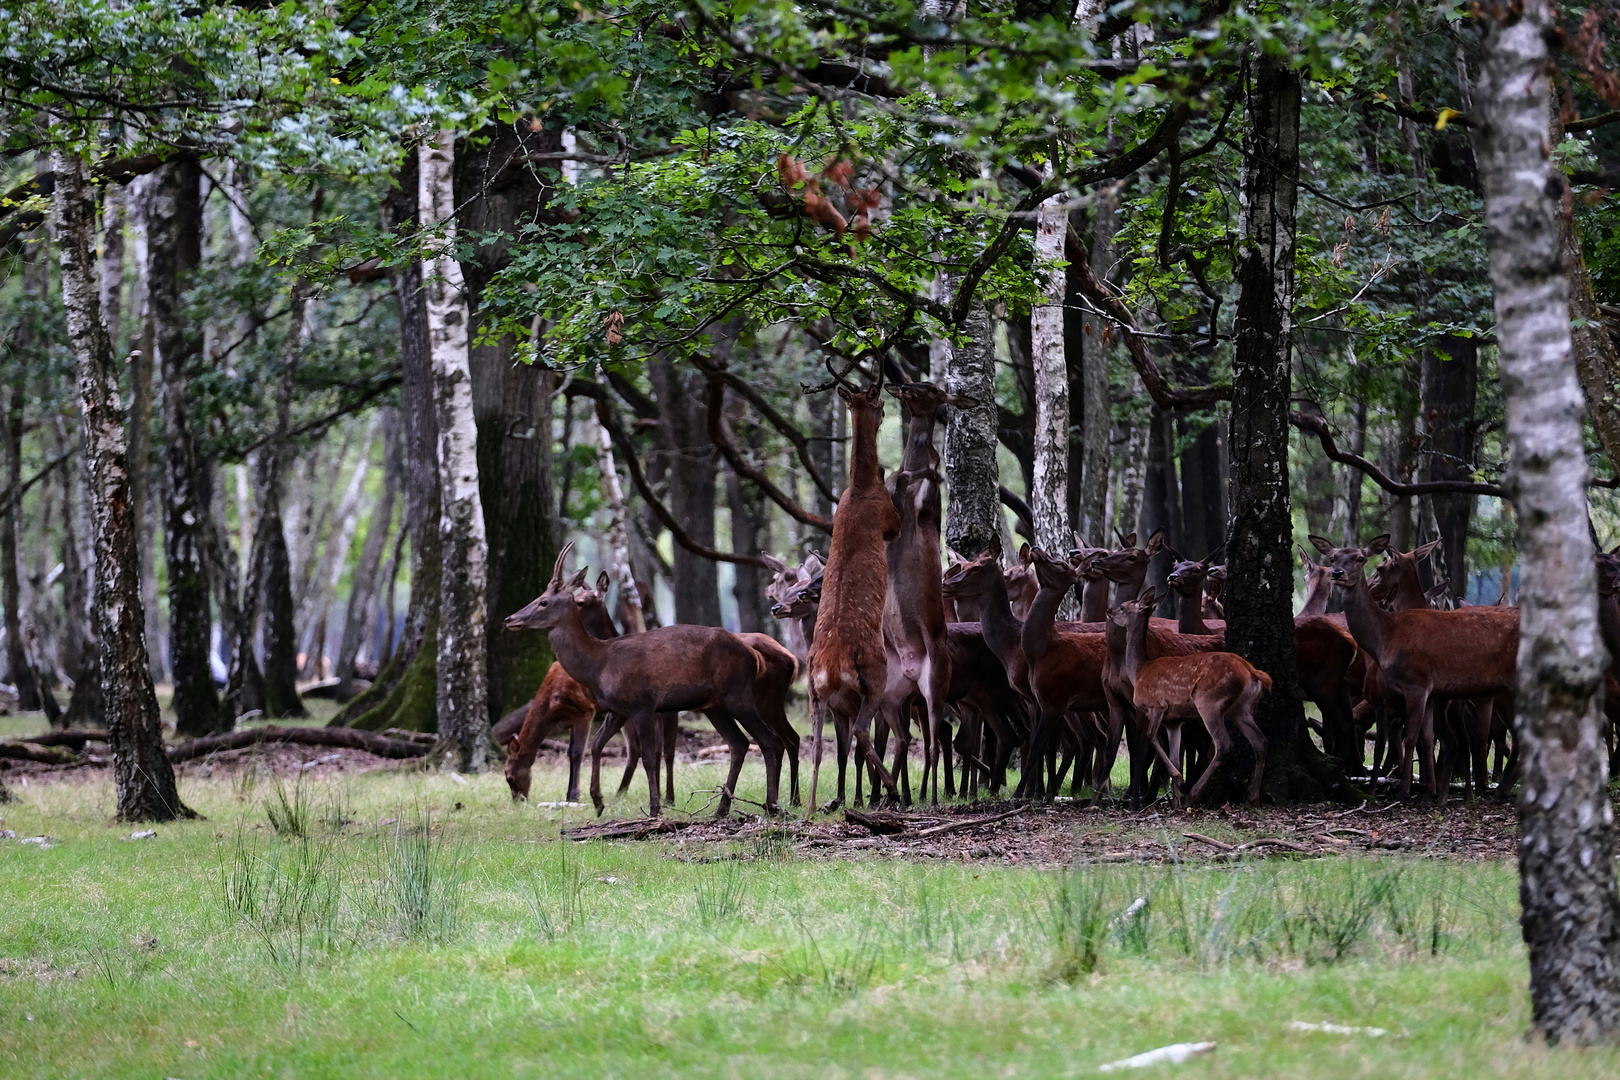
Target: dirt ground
987	831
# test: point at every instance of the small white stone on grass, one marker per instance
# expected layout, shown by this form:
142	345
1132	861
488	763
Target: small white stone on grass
144	834
1174	1054
1336	1029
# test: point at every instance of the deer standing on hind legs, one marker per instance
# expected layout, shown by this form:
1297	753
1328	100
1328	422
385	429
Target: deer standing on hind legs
848	664
672	668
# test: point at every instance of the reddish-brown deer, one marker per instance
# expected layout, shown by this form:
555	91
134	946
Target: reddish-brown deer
1187	578
848	664
1065	673
1216	688
667	669
1424	656
786	581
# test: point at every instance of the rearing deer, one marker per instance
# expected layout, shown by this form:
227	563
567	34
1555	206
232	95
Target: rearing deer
848	665
699	668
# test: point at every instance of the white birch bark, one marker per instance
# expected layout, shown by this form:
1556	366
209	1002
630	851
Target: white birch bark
461	662
618	531
1571	913
1049	494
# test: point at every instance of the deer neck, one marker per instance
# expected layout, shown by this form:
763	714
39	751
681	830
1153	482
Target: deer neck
865	471
1001	627
1094	600
1368	623
1317	591
1408	591
1039	630
918	454
582	655
1131	587
1132	647
1191	613
1609	626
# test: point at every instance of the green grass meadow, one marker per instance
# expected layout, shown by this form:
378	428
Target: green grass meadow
402	924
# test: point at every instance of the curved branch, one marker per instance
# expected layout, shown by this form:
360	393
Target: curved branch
782	424
720	435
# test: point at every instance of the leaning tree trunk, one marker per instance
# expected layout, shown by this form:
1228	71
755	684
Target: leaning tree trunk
1049	491
1260	577
973	515
174	251
378	530
142	775
461	664
1571	917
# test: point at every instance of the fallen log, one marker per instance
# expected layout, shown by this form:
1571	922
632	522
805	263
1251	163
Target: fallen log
878	823
33	751
941	830
349	738
74	737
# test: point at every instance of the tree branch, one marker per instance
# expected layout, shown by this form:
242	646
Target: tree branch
782	424
720	435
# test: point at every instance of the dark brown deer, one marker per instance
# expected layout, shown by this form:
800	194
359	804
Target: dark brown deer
1187	578
1065	673
1216	688
1425	656
667	669
848	664
1022	586
919	663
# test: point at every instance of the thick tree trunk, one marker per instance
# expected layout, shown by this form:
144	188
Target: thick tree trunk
461	664
271	569
512	407
750	534
1049	491
1260	578
363	583
141	366
1090	453
174	252
973	514
1571	918
689	465
19	671
142	775
1450	379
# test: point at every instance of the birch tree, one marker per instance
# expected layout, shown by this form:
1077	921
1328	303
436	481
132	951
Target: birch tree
461	663
142	775
1049	494
1571	914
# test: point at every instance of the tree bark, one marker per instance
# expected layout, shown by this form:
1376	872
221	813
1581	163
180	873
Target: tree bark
328	570
363	582
142	775
1260	579
461	665
174	252
689	465
631	604
1049	490
511	403
272	570
1450	379
141	365
1096	419
974	513
77	640
1571	912
19	671
113	198
750	534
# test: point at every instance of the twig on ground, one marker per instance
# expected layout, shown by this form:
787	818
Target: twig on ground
940	830
1202	839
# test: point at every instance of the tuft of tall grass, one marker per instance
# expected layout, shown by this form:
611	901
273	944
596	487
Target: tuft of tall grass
556	896
1077	922
720	894
420	888
290	813
288	892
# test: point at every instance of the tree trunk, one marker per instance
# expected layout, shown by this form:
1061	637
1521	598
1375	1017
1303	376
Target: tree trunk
1597	361
461	664
141	365
1049	490
113	198
271	569
1571	917
19	671
142	775
328	572
689	465
363	583
174	252
1450	378
1260	578
632	606
973	514
750	534
1096	420
75	597
1353	478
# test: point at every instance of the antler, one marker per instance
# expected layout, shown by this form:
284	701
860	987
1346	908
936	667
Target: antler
557	568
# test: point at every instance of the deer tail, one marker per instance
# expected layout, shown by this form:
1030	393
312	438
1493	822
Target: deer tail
1264	679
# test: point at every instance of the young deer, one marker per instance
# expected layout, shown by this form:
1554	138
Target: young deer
1318	585
1425	656
848	665
1065	673
1187	578
667	669
1214	687
785	582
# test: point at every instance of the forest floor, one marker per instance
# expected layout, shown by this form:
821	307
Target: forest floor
354	918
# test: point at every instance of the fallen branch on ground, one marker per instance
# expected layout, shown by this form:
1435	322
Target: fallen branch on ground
940	830
629	829
350	738
32	751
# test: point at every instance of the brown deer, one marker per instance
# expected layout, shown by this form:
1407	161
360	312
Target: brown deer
1318	585
786	581
1212	592
981	581
1425	656
1214	687
1022	586
848	664
1094	590
1065	673
667	669
1187	578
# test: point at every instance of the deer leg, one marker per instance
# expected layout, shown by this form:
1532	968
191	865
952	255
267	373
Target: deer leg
632	751
818	721
580	731
1177	778
649	733
1480	743
770	747
841	736
737	743
610	726
863	742
672	733
1222	739
1417	702
1244	718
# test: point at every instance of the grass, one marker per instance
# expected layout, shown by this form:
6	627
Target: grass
416	926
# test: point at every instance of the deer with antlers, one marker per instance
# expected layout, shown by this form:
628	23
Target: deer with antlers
668	669
1216	688
849	667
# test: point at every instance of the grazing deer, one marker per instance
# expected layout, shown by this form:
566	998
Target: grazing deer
667	669
919	663
1425	656
1214	687
1187	578
848	664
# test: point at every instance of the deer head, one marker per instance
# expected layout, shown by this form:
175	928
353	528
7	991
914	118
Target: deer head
924	400
1187	575
801	601
972	577
1129	611
1130	562
1347	565
555	604
1053	573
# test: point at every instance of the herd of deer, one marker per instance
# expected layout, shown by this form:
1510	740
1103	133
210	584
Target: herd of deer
891	637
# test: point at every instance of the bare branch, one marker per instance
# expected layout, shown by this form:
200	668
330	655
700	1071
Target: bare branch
720	435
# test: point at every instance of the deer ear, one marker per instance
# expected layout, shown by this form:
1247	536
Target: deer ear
602	582
512	746
579	577
1377	545
1126	539
993	549
1322	544
1215	556
1024	553
813	564
1423	552
1174	554
777	566
1149	597
1155	542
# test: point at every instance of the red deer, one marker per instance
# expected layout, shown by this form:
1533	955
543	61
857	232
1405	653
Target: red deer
1187	578
1214	687
785	582
667	669
1212	593
1425	656
1065	672
1094	593
1022	586
848	665
1318	585
919	664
